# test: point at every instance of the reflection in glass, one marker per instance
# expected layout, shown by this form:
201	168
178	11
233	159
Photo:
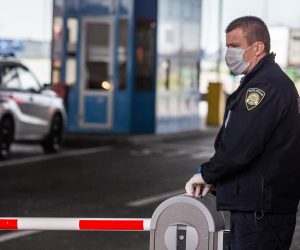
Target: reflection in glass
126	6
27	80
96	73
57	49
97	54
145	39
122	53
72	26
178	64
10	79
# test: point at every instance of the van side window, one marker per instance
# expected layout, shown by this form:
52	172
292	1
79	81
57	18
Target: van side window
10	79
28	81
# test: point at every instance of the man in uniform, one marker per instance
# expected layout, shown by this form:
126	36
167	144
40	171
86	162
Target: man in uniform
256	166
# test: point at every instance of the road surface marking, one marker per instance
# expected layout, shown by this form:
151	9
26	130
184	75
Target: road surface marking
152	199
144	152
179	152
15	235
200	155
64	154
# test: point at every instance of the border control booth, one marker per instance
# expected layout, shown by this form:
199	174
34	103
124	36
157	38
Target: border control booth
107	65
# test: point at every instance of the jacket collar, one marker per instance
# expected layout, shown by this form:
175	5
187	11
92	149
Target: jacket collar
266	59
246	78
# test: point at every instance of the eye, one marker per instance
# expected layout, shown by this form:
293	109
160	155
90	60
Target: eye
232	45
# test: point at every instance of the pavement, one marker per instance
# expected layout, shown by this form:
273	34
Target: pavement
79	185
109	181
92	140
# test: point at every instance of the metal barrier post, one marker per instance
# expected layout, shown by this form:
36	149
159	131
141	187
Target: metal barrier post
186	223
216	103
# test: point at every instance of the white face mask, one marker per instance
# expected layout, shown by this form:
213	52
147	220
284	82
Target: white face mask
234	59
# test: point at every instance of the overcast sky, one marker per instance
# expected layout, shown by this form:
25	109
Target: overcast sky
26	19
274	12
31	19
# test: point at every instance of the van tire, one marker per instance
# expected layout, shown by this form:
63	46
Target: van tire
52	142
6	136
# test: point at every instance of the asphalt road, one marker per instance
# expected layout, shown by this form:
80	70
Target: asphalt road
109	181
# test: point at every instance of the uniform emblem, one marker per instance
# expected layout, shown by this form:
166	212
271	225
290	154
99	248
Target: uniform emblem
254	97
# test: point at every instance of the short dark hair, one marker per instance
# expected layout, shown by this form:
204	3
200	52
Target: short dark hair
254	28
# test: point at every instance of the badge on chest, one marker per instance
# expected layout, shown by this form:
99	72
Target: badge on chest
254	96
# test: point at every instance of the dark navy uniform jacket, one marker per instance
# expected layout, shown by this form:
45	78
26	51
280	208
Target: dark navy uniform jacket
256	165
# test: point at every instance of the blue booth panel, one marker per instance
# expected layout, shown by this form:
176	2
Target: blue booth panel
95	109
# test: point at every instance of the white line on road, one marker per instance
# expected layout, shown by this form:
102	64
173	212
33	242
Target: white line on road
64	154
200	155
179	152
152	199
15	235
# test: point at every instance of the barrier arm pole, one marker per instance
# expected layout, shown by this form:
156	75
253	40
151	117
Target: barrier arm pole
75	224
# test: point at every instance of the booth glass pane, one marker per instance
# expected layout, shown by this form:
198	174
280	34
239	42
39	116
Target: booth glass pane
177	94
97	74
72	39
126	6
145	54
122	53
57	50
57	42
72	26
97	35
106	6
98	55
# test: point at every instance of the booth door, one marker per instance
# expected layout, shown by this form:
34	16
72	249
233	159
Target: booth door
96	88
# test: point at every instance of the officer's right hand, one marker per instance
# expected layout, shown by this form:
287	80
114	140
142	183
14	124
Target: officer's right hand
197	187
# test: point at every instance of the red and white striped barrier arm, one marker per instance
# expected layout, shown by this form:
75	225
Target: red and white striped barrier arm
95	224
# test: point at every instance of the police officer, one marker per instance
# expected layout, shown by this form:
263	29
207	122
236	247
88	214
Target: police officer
256	166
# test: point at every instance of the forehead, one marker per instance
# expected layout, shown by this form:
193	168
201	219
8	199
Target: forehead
236	37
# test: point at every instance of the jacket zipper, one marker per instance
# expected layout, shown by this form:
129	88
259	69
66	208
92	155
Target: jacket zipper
262	192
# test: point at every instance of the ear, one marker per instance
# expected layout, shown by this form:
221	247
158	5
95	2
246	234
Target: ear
260	48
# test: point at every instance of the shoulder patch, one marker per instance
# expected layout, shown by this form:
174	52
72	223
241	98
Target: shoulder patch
254	96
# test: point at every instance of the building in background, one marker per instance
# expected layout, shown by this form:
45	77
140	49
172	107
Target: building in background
285	42
127	66
178	65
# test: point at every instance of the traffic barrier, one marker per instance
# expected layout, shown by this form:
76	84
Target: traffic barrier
179	223
81	224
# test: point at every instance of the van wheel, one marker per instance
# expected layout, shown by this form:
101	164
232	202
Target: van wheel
6	136
53	140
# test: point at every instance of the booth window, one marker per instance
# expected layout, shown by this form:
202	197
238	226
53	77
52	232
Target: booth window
56	49
72	37
97	55
97	74
145	55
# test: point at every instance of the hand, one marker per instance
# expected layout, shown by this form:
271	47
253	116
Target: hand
197	187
